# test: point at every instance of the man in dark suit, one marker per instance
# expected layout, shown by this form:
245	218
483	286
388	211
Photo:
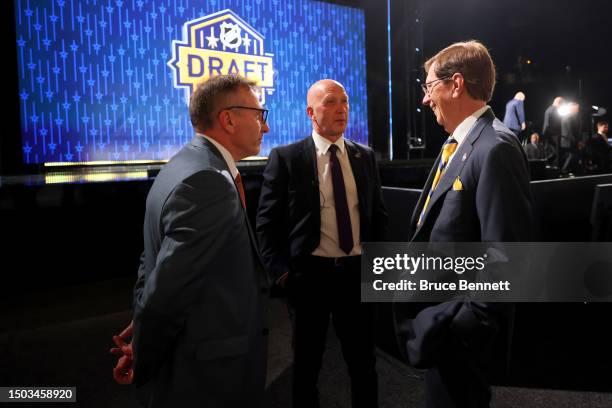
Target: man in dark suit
536	150
514	117
477	191
199	336
551	129
321	199
599	149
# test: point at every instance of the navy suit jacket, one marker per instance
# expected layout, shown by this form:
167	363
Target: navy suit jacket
289	216
515	115
494	205
199	301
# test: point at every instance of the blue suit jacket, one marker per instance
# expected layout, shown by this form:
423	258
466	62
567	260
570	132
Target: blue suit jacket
199	302
494	205
515	115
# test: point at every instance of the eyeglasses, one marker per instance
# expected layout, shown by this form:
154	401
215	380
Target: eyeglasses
427	89
263	112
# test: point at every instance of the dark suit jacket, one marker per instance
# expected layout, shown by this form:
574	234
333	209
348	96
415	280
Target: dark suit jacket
493	206
198	302
289	216
515	115
599	151
552	124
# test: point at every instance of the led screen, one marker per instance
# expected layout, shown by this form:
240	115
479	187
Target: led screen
109	80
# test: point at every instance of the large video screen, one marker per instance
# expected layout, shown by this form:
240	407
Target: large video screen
109	80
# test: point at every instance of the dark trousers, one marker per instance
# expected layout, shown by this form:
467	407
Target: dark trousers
320	288
458	380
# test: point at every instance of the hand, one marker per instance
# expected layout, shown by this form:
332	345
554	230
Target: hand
123	373
523	126
279	287
282	281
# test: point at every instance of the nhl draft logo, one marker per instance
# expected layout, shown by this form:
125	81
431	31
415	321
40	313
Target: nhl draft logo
218	44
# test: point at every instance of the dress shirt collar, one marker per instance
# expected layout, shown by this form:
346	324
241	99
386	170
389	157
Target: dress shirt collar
464	127
231	164
322	144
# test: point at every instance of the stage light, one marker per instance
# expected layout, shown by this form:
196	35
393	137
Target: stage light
568	109
564	110
598	110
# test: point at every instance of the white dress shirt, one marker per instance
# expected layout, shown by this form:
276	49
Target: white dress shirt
329	243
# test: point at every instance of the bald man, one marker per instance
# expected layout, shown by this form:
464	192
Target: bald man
514	118
320	199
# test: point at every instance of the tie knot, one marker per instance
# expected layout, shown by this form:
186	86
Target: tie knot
450	142
333	149
449	147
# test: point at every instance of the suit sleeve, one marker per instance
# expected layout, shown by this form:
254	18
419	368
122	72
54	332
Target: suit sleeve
521	112
140	280
546	125
272	217
194	221
503	198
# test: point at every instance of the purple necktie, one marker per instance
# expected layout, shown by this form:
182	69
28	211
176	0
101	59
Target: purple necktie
343	219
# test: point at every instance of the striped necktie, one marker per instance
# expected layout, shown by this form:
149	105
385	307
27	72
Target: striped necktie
447	150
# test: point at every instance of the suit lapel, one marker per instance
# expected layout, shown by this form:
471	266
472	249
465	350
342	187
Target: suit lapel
451	173
309	155
256	247
357	166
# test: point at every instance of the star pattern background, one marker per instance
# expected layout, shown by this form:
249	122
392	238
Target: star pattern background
94	82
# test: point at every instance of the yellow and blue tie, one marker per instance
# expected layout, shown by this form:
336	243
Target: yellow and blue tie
448	149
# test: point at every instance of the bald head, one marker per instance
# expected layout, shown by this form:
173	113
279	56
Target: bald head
519	96
558	101
318	89
327	108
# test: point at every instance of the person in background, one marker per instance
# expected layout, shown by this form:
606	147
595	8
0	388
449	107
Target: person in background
535	150
551	129
599	149
514	118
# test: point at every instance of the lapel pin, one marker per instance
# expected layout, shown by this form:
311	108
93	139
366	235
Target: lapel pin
464	157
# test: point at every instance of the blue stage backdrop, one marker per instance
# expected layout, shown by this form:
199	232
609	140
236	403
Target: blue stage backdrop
109	80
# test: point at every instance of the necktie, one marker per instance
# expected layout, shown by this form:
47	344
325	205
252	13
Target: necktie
240	187
343	219
447	150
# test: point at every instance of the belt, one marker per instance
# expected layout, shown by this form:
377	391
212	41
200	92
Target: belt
335	262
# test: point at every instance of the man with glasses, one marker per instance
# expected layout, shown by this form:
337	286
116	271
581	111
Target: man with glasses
320	199
199	336
477	191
